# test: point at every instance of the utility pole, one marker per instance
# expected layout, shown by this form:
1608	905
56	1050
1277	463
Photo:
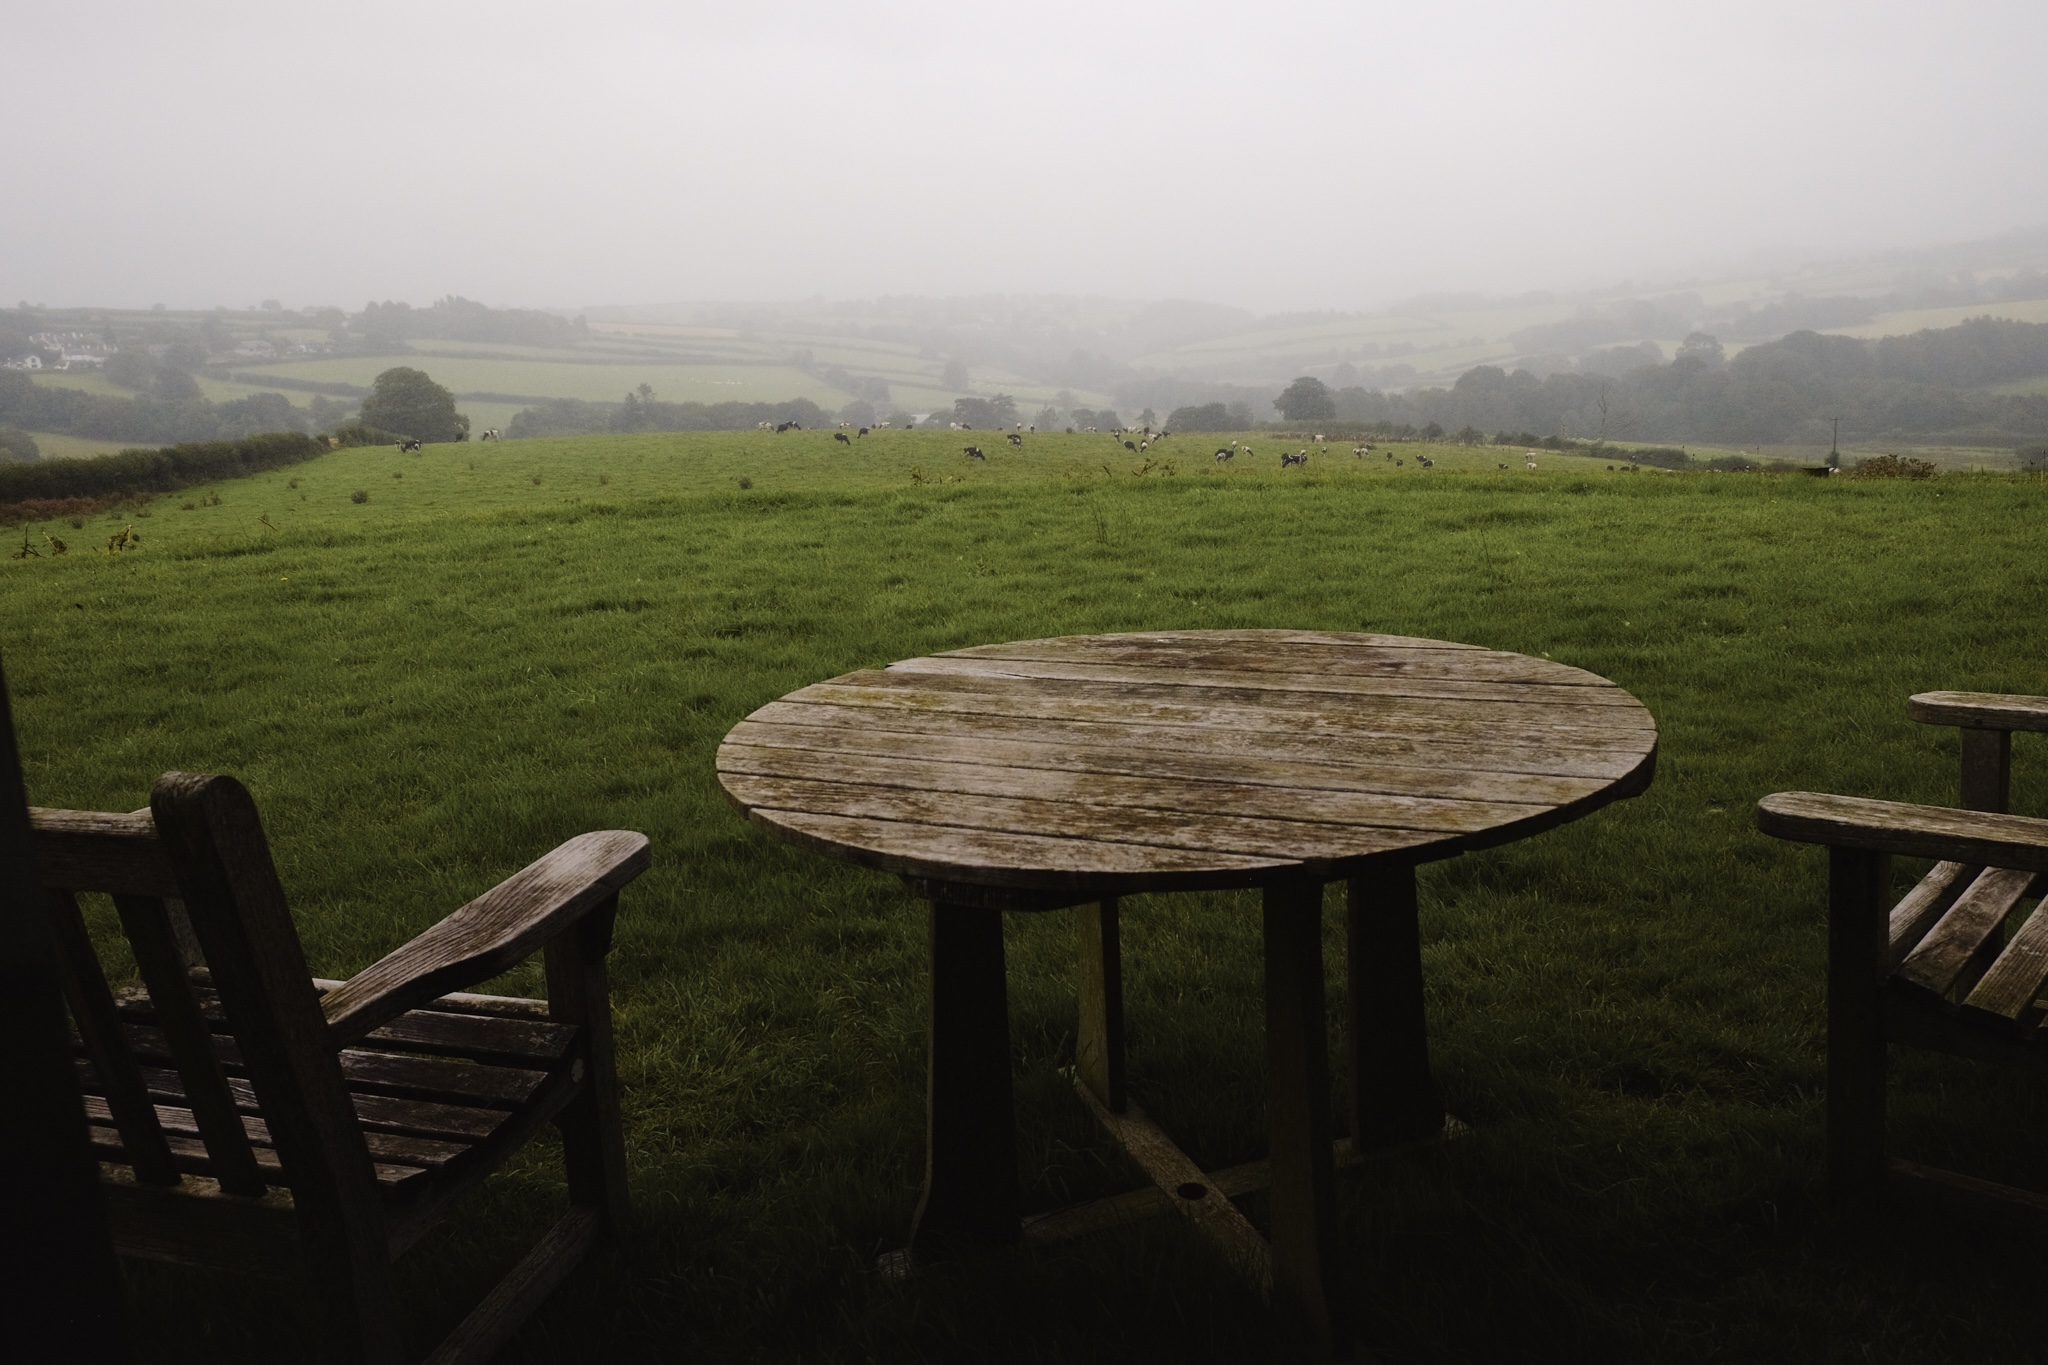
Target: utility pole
1835	446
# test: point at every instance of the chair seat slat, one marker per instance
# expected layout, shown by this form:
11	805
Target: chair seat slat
2004	996
1943	958
1920	909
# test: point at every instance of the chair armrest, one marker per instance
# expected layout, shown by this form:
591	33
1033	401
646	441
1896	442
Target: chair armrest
1978	838
491	933
1980	710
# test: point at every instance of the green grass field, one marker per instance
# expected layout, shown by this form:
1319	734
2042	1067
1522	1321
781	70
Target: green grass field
505	645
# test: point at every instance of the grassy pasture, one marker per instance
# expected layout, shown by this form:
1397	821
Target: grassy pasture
505	645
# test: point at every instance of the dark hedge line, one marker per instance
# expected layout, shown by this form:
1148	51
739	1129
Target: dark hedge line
134	472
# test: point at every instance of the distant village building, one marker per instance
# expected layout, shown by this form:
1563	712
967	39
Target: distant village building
27	362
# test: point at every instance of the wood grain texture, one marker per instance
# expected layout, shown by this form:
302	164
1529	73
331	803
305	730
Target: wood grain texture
2004	996
81	850
1963	935
498	929
1184	759
1979	837
1193	1193
1980	710
1919	909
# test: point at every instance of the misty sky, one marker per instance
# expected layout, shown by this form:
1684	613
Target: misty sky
1287	154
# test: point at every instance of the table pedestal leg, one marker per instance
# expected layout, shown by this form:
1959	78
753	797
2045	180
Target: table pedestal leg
1304	1215
1099	973
970	1173
1394	1098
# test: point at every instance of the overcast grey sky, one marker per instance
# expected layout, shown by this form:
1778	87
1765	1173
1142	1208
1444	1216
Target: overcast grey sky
1286	154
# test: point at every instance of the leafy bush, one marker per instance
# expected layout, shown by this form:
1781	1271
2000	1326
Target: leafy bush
1892	467
18	445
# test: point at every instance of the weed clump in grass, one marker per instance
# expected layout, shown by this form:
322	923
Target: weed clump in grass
398	473
536	481
293	484
360	495
746	482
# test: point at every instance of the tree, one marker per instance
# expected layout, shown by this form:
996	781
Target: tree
955	375
406	401
1306	400
1703	348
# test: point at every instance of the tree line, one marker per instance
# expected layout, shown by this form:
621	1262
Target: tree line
1931	385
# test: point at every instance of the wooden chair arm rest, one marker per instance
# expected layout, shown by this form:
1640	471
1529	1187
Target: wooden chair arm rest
1980	710
503	926
1979	838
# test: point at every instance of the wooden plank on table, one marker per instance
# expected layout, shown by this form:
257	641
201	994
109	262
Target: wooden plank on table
1061	694
1965	836
1094	791
1254	636
1189	1187
990	858
1176	763
1421	657
1946	953
1272	679
1431	754
2004	996
1118	826
1331	725
1925	904
1980	710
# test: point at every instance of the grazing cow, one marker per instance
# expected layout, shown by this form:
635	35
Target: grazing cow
1319	438
1300	459
1131	446
1425	462
1015	439
843	438
490	434
862	432
413	444
1225	453
973	453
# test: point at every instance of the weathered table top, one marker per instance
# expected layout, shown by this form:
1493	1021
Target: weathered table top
1103	765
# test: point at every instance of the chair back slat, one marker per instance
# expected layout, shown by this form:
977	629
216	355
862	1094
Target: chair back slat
113	1062
215	841
233	1158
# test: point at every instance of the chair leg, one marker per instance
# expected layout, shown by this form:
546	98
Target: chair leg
593	1140
1857	884
354	1303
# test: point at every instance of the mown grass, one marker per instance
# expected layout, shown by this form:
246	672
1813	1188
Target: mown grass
427	689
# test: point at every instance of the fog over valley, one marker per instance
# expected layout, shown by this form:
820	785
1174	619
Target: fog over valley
1274	158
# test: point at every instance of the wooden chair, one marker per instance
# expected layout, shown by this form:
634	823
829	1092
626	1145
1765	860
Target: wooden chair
1937	969
252	1118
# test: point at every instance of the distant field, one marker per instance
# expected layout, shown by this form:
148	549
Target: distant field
503	646
58	447
1900	324
602	383
214	390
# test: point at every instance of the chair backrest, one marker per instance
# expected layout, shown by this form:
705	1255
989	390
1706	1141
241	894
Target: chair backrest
231	1003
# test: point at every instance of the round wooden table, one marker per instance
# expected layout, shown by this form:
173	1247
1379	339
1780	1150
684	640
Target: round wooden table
1072	771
